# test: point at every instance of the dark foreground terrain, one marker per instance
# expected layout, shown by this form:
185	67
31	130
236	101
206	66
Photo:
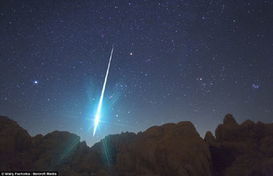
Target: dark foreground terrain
167	150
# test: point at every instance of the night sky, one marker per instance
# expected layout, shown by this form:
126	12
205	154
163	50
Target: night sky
173	61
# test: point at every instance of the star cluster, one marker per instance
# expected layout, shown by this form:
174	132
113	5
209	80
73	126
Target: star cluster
174	60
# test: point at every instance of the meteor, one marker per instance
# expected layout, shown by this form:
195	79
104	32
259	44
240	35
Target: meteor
98	113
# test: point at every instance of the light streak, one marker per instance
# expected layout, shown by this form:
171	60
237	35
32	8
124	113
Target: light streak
98	113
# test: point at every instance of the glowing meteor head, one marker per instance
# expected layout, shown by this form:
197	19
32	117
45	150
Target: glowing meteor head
96	123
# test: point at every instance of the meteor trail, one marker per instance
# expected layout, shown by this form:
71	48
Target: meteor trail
98	113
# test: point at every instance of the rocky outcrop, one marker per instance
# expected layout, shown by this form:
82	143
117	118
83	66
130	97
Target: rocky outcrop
172	149
15	143
242	149
20	151
53	150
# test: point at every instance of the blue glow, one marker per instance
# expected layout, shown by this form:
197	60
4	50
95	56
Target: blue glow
98	113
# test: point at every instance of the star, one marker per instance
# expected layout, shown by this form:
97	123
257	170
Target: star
35	82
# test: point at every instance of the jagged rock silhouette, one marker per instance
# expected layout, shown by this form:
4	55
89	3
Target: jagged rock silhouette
170	149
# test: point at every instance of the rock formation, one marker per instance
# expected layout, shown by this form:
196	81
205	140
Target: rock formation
14	146
171	149
242	149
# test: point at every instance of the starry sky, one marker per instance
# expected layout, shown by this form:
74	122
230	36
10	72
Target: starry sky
173	60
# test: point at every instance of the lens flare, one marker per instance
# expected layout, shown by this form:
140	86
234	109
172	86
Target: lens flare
98	113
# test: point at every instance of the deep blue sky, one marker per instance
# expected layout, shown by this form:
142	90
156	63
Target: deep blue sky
173	61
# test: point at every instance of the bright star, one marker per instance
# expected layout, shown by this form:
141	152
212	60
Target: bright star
35	82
